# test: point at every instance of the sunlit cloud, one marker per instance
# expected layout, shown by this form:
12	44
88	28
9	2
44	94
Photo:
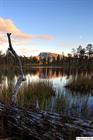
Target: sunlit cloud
2	40
47	37
34	52
7	25
19	38
28	51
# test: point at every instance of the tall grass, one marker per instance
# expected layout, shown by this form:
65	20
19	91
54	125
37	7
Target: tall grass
30	93
6	93
81	83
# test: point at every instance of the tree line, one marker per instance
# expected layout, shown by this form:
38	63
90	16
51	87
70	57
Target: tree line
79	57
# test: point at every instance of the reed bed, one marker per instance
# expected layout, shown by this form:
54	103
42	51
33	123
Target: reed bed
81	83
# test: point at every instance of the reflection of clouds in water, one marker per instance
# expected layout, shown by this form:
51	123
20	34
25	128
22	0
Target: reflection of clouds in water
30	78
65	101
4	82
59	84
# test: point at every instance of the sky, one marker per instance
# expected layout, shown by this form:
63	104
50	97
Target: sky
46	25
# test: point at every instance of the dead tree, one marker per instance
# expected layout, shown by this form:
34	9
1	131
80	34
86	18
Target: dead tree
21	77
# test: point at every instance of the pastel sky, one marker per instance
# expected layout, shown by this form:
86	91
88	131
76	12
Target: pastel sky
46	25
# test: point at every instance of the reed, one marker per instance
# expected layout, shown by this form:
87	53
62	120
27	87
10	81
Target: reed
81	83
31	92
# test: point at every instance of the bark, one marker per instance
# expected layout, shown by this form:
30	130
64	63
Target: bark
41	125
21	77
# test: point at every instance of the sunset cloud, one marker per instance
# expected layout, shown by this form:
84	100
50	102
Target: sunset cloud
7	25
28	51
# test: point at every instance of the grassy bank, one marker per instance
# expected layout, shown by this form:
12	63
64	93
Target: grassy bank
80	83
40	91
29	93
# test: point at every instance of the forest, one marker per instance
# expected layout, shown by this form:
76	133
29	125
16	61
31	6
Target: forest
81	57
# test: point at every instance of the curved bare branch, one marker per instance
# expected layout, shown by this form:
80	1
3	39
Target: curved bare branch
21	77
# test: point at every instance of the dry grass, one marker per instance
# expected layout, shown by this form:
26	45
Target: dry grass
29	93
38	88
81	84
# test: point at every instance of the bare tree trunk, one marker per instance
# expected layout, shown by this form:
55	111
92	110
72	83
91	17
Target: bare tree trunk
21	77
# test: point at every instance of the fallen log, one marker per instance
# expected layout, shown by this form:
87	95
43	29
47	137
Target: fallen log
41	125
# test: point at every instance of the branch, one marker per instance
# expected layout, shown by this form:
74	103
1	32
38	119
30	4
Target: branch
21	77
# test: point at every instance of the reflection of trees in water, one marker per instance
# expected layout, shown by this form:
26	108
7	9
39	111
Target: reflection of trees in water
46	72
68	102
58	72
34	71
50	73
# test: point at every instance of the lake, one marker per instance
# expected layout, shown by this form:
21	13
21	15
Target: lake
65	101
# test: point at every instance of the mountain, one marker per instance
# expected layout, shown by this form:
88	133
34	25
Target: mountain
46	55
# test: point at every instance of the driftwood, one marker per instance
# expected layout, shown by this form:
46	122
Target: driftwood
21	77
39	125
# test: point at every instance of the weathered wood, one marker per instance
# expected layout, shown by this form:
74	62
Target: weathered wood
21	77
40	125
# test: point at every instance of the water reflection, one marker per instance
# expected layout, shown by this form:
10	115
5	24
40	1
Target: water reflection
65	101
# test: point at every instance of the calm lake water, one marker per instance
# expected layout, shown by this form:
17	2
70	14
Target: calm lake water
65	101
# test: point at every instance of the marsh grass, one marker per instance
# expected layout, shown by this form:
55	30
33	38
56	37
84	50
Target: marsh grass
81	83
41	91
29	93
6	93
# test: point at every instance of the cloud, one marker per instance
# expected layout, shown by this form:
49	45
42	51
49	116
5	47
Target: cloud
28	51
1	40
19	38
47	37
7	25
